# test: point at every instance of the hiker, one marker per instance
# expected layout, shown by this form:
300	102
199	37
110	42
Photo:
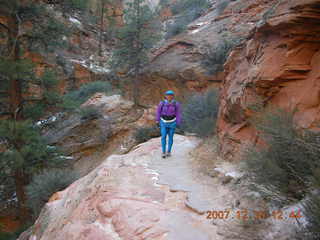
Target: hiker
168	118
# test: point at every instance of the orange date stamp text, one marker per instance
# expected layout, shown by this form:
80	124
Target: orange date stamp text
245	214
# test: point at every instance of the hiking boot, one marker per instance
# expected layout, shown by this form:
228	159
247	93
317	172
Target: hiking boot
163	155
168	154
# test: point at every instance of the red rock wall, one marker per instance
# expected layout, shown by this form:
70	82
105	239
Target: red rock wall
280	65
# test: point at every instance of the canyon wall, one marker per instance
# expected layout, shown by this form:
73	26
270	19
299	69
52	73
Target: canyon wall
274	59
277	65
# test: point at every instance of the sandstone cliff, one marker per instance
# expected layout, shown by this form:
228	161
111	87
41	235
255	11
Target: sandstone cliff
277	65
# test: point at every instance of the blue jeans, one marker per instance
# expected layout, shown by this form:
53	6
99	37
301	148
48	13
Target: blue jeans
167	129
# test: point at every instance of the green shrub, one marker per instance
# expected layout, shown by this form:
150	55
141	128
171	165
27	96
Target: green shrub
146	133
188	11
79	4
33	110
75	98
89	113
283	170
310	211
177	27
74	5
222	6
164	3
45	184
199	113
49	79
185	6
48	36
215	56
7	236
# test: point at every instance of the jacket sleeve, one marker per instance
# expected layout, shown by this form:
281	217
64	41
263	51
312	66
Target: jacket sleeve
158	112
178	113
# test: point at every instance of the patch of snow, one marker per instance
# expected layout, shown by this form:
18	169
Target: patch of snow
82	62
67	157
49	120
13	198
75	21
51	147
92	66
229	170
122	147
234	174
195	31
97	68
201	23
254	194
200	26
219	170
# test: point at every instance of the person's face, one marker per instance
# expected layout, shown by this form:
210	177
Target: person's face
169	97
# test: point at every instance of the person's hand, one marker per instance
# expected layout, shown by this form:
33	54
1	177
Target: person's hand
158	124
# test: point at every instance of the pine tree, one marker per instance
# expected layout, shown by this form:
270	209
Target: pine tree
26	152
137	36
106	13
71	6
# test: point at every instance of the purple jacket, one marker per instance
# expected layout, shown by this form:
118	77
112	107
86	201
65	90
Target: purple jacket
169	109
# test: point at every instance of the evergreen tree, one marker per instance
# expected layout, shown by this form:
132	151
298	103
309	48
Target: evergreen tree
137	36
105	14
26	153
25	150
71	6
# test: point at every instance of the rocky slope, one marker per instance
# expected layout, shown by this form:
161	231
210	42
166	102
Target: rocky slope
277	65
110	130
135	196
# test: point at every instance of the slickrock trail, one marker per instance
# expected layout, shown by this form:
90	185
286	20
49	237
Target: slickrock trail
137	196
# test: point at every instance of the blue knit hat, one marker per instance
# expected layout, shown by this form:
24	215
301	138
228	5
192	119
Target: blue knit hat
169	92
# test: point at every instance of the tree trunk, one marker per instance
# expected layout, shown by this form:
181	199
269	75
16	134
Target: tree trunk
137	62
101	27
20	180
136	89
16	101
15	91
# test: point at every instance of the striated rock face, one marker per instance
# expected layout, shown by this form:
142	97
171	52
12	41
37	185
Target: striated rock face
277	65
110	130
